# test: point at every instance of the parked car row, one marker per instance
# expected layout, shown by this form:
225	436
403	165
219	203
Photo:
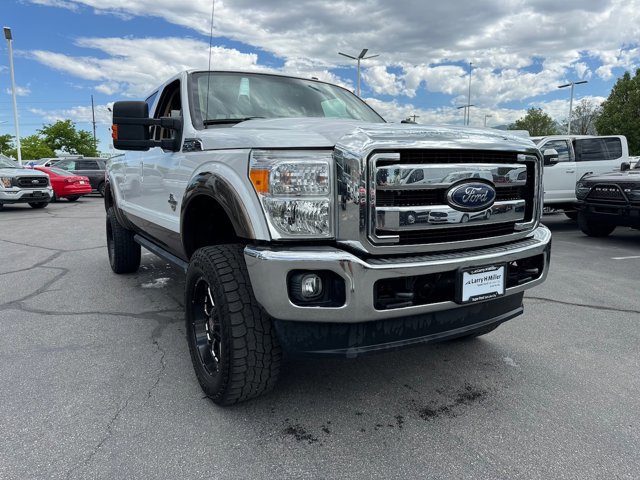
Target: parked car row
38	185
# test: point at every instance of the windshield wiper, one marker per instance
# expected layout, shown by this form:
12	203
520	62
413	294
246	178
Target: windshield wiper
222	121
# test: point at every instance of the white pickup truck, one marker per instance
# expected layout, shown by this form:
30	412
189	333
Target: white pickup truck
284	200
577	156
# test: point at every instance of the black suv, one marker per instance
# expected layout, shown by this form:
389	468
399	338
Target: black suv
92	167
609	200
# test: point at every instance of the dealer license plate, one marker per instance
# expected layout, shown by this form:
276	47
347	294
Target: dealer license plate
37	194
481	283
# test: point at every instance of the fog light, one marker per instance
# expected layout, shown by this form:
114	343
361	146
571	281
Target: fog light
311	286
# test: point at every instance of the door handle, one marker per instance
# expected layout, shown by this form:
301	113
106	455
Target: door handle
571	171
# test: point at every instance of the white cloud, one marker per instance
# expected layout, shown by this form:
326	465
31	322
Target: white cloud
135	66
69	5
20	91
520	49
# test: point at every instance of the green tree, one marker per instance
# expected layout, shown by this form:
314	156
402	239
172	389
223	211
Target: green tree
536	122
64	137
584	117
32	147
6	143
621	111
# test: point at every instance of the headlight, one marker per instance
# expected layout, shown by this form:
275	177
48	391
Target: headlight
633	193
582	189
5	182
295	190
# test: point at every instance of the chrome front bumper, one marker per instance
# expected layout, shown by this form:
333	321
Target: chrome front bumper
269	267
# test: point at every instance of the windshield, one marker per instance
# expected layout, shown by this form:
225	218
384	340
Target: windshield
7	163
227	97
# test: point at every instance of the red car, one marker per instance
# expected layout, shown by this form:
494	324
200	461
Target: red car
66	184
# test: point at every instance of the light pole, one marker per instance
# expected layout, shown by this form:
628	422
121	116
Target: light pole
9	37
571	101
469	97
358	58
485	119
466	109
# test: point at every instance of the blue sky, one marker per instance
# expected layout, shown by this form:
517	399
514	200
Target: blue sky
65	51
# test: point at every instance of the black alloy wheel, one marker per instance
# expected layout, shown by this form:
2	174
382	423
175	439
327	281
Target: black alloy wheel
234	349
206	327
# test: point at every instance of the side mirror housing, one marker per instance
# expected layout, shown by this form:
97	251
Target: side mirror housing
130	130
550	156
624	166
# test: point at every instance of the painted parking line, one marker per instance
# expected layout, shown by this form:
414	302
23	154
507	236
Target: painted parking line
625	258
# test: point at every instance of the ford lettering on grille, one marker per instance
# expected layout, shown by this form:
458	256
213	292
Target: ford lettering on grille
471	196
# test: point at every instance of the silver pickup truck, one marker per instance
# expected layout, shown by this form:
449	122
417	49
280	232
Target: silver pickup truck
292	208
23	185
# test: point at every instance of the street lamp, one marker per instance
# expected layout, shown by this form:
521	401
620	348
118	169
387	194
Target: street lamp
466	109
358	58
571	101
9	37
469	97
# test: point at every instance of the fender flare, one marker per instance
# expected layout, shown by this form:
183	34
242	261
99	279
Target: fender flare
220	190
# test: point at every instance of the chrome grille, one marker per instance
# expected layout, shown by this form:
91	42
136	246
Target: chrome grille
408	195
32	182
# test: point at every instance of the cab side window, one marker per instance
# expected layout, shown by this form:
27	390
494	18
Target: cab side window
169	105
598	149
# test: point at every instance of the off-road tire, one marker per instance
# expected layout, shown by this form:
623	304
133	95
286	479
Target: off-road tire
124	252
234	349
38	204
593	229
101	189
73	198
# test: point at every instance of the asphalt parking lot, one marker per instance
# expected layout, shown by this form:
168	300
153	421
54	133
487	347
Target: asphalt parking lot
96	380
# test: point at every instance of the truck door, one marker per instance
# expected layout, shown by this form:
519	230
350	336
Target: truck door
559	180
598	154
159	199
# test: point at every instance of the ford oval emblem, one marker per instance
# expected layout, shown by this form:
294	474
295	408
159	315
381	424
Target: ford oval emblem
471	196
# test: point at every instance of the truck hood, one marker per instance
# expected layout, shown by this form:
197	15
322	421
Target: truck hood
614	177
354	135
19	172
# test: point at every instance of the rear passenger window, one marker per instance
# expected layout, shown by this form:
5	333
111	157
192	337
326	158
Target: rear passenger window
87	165
70	165
596	149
